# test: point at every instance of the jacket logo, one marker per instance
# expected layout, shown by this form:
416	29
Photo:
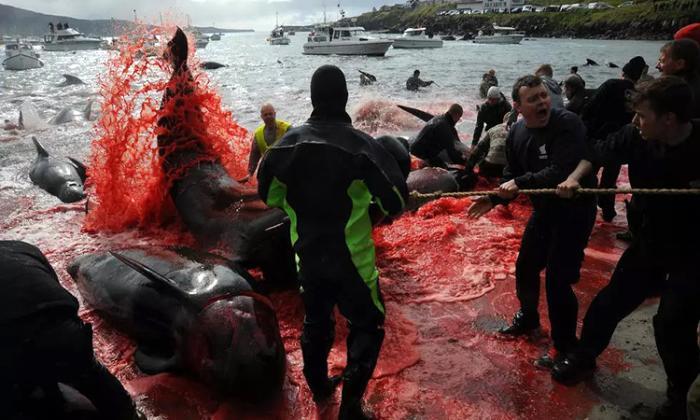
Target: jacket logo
543	153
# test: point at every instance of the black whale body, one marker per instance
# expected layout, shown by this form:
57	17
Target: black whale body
190	312
213	206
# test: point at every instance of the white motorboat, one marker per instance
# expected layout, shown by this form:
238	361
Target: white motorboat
417	38
345	41
69	39
215	37
20	56
277	37
501	35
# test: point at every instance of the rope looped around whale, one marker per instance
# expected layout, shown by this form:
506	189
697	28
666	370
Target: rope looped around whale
550	191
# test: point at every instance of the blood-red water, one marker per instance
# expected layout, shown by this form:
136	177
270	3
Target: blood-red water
447	282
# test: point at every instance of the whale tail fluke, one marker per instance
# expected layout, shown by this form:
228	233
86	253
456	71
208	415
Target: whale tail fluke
39	148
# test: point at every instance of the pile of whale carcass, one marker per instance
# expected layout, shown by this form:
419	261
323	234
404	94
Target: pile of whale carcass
190	310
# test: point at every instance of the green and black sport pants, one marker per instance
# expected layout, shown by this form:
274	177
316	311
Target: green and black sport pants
365	318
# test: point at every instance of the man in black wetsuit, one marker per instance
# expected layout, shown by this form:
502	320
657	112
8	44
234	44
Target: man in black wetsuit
414	82
541	150
324	175
439	136
43	342
606	112
662	148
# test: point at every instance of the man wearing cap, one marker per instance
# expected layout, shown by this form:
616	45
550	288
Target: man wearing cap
682	58
490	113
325	175
606	112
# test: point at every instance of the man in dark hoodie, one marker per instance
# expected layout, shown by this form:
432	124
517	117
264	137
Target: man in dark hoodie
606	112
541	149
44	342
682	58
575	92
324	175
439	136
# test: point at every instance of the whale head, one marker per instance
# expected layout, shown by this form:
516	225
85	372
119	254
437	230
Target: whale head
237	347
71	191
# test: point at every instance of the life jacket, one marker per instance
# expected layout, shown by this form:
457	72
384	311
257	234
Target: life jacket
282	127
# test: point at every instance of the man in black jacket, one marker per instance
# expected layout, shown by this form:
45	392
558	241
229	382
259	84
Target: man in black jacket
606	112
662	149
43	342
439	137
490	113
541	149
324	175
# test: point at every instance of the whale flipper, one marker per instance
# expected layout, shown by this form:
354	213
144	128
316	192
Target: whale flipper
39	148
160	281
425	116
29	117
80	167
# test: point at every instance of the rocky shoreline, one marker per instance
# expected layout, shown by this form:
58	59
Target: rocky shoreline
643	22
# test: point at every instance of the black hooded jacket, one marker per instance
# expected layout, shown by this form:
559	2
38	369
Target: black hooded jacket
29	284
437	135
324	174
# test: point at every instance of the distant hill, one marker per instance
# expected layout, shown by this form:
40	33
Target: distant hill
22	22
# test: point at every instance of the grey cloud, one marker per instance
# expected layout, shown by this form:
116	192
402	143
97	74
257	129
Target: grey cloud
254	14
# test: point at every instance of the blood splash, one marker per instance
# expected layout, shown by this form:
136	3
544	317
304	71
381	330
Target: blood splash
130	188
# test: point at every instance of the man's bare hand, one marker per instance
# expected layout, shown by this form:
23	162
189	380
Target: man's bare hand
567	189
479	207
508	190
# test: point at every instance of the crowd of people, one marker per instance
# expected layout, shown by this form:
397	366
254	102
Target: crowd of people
335	182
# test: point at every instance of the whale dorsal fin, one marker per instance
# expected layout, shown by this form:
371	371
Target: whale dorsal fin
72	80
80	167
39	148
425	116
162	282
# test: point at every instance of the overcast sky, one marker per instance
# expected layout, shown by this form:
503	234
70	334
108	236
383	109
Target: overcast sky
238	14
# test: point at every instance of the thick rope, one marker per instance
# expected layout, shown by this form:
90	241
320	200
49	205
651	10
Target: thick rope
549	191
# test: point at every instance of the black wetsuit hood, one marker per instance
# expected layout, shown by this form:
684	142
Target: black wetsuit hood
329	94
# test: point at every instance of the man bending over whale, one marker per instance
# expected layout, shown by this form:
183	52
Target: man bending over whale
325	174
438	137
44	343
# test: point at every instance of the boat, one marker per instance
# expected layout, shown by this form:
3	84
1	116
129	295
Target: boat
69	39
215	37
20	56
501	35
417	38
200	40
277	37
347	40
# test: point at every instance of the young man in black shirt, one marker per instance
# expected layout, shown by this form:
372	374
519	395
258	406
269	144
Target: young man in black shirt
662	148
541	149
